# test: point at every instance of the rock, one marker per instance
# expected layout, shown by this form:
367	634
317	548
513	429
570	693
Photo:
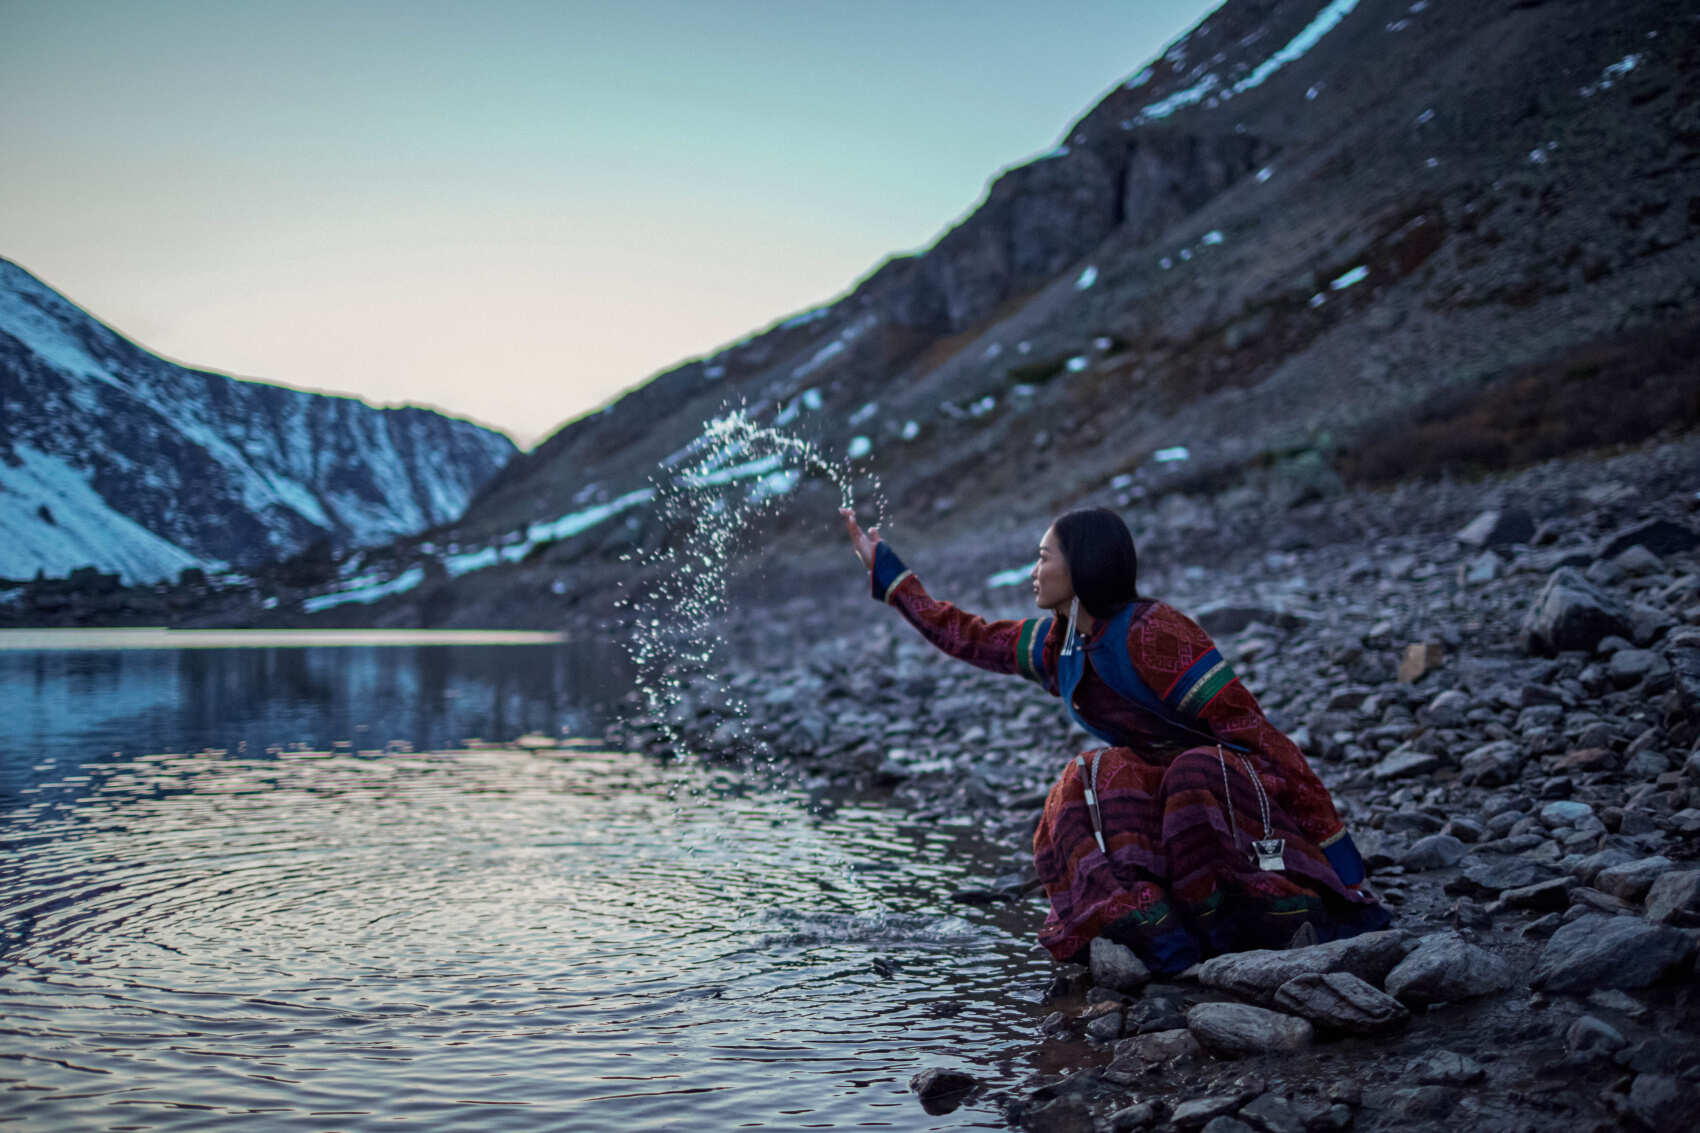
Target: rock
1492	764
1445	968
1403	763
1631	880
1275	1113
1225	618
1258	974
1227	1125
1130	1119
1489	875
1482	568
1067	1114
1437	851
1564	812
1604	951
1154	1013
1637	562
1629	667
1571	613
1446	1068
1661	1102
1448	709
1591	1035
1193	1113
1341	1002
1498	529
1674	898
1420	659
1660	536
1157	1047
1542	896
1240	1028
941	1089
1106	1028
1116	967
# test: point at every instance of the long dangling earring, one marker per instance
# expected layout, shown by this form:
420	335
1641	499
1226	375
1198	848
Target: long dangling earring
1069	644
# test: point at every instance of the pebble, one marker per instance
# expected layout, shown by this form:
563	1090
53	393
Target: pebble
1240	1028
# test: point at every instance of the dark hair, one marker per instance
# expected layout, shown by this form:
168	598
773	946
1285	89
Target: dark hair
1102	562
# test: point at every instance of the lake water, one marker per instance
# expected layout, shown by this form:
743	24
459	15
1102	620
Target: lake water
274	887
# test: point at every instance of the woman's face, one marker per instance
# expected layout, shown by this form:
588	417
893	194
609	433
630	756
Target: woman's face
1052	586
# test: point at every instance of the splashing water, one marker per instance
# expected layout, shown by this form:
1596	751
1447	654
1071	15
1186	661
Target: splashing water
707	497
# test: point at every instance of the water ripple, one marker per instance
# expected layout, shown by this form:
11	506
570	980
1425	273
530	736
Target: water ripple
484	938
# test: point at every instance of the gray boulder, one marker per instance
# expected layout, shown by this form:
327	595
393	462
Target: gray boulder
1445	968
1492	874
1116	967
1675	898
1258	974
1572	613
1240	1028
942	1089
1603	951
1341	1002
1630	881
1492	764
1436	851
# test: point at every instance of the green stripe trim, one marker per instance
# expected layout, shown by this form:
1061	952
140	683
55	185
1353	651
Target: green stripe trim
1025	659
895	583
1206	689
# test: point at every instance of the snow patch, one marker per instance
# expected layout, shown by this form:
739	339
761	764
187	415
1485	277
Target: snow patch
84	530
866	413
1325	22
1172	454
1346	279
1012	577
1076	364
1087	278
910	430
1608	77
367	591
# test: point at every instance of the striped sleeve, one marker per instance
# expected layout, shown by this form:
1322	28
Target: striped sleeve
1005	646
1201	682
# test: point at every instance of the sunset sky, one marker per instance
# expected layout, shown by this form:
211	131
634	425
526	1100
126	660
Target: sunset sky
511	210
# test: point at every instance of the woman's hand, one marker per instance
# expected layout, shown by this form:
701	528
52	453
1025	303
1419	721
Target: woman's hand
863	541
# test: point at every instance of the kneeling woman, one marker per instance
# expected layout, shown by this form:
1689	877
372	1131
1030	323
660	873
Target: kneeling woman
1200	828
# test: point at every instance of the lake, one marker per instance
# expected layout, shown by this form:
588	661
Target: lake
312	884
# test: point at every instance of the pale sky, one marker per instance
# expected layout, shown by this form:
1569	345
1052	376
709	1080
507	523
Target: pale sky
513	209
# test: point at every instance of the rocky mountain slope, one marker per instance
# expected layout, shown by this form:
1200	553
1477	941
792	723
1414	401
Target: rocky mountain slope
113	458
1316	241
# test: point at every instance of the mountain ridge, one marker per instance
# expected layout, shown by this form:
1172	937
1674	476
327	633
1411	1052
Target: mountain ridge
217	471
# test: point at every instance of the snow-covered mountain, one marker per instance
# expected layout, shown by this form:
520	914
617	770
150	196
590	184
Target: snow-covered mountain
115	458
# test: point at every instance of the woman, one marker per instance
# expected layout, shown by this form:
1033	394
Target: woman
1200	829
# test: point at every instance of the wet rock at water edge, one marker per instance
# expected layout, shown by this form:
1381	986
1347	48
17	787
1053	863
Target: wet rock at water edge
1139	1115
1258	974
1446	1068
1116	967
1444	968
941	1089
1067	1114
1605	951
1240	1028
1341	1002
1195	1113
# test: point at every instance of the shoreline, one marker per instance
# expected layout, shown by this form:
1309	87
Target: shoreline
1530	811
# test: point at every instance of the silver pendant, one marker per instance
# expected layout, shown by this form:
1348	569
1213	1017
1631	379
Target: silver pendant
1270	853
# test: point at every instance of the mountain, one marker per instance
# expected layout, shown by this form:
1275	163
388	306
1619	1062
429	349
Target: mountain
114	458
1316	244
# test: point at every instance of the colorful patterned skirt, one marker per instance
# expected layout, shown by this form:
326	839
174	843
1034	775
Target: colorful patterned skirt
1174	884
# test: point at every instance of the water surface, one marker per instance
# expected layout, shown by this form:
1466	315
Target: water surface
224	910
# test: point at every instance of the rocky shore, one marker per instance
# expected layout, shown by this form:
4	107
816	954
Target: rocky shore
1499	681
